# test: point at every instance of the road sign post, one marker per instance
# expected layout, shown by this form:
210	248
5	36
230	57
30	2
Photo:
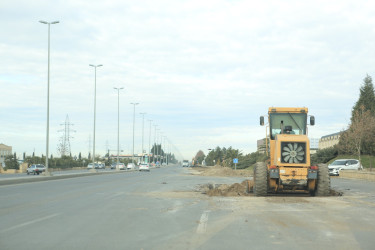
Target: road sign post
235	161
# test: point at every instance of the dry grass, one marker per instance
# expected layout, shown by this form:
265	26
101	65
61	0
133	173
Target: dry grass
220	171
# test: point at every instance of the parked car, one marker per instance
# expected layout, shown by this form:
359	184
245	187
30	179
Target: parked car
90	166
101	166
144	167
113	165
130	166
120	166
36	169
343	164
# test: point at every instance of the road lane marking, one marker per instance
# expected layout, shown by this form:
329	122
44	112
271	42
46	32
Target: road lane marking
202	226
116	194
29	223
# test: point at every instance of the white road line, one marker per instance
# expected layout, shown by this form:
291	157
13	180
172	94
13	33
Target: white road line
28	223
202	227
116	194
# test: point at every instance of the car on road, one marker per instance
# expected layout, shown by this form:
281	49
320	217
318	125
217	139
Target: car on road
36	169
185	163
120	166
130	166
144	167
343	164
90	166
100	166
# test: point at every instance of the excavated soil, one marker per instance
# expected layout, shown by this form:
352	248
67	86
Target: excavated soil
244	188
237	189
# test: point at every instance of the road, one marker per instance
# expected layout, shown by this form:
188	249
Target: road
162	209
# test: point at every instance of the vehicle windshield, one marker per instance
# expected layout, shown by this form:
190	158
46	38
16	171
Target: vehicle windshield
338	163
287	123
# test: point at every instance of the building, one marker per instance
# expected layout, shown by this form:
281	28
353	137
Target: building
314	145
261	145
4	151
328	141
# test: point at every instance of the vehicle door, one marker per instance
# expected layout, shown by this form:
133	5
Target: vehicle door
353	165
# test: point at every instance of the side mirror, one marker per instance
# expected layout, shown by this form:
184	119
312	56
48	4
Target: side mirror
261	120
312	120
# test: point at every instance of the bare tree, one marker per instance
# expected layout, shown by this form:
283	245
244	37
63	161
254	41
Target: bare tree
360	131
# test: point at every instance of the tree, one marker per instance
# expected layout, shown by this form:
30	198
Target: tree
11	162
360	133
156	151
324	155
231	154
366	97
199	157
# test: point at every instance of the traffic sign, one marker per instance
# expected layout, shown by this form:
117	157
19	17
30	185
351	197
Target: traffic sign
235	160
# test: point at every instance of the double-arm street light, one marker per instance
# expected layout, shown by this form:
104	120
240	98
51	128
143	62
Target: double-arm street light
118	125
133	128
93	156
47	137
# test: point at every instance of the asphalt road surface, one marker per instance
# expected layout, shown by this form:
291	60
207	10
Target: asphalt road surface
162	209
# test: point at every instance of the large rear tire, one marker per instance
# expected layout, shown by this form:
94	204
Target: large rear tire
324	182
260	179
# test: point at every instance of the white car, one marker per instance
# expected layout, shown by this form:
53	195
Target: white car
36	169
120	166
90	166
144	167
130	166
343	164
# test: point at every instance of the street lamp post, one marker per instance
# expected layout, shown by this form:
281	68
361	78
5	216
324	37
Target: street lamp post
153	153
143	130
149	142
159	151
47	136
93	155
133	128
118	126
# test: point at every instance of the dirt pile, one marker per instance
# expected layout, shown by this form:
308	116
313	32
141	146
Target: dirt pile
220	171
237	189
244	188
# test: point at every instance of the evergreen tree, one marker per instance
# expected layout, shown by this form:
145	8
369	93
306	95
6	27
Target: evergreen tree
366	97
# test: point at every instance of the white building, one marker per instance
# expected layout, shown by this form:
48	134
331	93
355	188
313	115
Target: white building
4	151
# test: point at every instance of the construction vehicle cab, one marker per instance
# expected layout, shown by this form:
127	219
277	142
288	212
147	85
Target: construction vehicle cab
289	168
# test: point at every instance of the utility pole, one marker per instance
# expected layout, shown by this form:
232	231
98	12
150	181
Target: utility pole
133	128
149	142
153	153
143	130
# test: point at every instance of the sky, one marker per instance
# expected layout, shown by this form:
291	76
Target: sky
202	71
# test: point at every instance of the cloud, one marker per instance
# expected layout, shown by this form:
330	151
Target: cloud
204	71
